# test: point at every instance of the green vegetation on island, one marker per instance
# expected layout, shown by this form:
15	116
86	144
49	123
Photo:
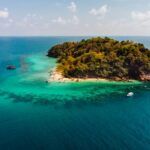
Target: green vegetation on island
103	58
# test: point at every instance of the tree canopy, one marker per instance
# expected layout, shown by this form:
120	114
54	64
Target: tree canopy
102	57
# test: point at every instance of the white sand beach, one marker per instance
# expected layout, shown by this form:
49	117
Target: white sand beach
58	77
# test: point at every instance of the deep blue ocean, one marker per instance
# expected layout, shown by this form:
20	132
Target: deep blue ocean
35	115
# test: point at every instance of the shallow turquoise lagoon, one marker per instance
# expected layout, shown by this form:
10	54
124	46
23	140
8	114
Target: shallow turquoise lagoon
75	116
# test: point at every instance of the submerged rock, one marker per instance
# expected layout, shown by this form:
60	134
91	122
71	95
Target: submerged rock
11	67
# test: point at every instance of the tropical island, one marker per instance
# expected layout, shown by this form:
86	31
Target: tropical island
101	58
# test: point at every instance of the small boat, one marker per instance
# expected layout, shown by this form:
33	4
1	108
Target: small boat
10	67
130	94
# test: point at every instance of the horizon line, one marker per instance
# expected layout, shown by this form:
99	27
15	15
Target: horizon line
74	35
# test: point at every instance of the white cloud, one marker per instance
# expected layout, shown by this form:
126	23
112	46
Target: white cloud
4	13
32	18
141	16
59	20
100	12
75	20
72	7
87	25
31	15
10	20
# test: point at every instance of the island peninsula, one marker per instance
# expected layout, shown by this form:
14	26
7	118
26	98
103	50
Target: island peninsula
101	59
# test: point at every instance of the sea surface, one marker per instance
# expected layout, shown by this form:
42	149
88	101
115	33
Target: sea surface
35	115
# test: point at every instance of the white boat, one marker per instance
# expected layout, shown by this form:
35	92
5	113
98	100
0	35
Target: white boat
130	94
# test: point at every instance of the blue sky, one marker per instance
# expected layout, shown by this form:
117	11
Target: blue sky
78	17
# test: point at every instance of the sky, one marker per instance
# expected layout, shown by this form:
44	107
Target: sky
74	18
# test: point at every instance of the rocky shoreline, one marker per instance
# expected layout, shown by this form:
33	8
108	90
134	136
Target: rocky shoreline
145	77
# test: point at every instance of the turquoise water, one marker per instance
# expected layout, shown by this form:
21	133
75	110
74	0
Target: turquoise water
75	116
